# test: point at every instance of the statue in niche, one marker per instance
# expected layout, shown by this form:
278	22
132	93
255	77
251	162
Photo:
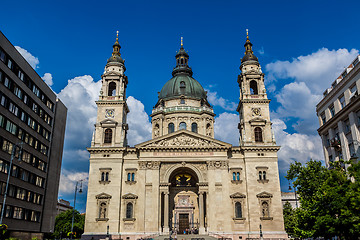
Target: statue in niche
102	213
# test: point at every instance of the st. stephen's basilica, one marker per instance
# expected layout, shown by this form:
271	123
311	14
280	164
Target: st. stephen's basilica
183	179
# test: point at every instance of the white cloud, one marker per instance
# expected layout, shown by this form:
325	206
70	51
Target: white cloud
297	100
216	100
33	61
48	79
79	97
261	51
295	147
225	128
68	181
138	120
318	70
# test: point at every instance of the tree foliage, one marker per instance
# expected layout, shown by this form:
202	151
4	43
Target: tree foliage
63	224
289	219
329	198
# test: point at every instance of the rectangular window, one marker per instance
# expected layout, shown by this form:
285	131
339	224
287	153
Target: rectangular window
7	146
332	110
26	157
2	55
23	116
36	90
323	118
43	149
342	101
3	101
8	211
18	213
18	92
12	191
21	75
35	107
10	127
6	82
49	105
10	64
347	126
2	121
26	99
39	181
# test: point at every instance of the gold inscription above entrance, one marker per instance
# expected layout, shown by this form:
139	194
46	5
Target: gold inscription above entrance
182	154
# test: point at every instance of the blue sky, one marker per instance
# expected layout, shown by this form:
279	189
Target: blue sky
302	47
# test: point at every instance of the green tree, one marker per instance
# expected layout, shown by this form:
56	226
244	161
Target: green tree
329	200
289	219
63	224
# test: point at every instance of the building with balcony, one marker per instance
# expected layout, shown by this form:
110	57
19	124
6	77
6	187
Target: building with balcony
32	128
339	116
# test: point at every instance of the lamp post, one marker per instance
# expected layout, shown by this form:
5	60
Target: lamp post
73	213
296	204
261	234
13	153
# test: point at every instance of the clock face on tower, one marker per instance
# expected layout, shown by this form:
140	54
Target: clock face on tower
256	111
109	113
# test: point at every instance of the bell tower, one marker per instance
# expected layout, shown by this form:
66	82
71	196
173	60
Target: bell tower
255	126
111	127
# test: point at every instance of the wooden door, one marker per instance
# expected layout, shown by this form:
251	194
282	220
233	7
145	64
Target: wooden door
183	222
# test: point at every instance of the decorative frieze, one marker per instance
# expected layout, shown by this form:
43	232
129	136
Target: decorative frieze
149	165
217	164
184	141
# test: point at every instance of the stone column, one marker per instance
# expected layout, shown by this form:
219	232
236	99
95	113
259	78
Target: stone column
166	212
160	212
201	213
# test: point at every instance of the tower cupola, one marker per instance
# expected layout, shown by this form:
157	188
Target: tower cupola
249	54
182	61
116	56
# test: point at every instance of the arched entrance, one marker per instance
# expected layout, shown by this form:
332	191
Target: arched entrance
184	214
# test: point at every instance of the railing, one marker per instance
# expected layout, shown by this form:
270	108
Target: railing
182	108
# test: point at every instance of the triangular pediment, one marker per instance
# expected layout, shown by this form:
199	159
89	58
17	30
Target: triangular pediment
183	139
103	196
129	196
264	195
238	195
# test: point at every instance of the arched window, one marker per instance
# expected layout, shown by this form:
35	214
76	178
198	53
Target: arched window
102	210
156	130
112	89
182	87
181	61
107	176
182	126
129	177
194	127
208	130
234	176
129	210
133	177
238	210
265	209
171	128
260	175
238	176
102	176
108	136
258	134
253	88
264	175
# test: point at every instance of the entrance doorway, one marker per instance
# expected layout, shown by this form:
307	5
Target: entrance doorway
183	222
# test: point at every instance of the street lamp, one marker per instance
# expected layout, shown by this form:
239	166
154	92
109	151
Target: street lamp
13	153
296	204
73	213
261	234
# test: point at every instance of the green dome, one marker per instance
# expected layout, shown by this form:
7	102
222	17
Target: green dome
182	84
115	58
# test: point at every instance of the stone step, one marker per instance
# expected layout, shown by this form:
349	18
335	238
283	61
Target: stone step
186	237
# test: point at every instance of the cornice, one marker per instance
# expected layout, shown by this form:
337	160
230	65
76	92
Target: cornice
260	148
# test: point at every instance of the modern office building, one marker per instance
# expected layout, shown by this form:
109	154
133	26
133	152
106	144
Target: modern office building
339	115
183	179
32	128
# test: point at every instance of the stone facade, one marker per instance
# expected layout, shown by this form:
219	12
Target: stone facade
339	116
183	178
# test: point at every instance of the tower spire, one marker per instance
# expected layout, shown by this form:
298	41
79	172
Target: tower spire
116	56
249	54
182	59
